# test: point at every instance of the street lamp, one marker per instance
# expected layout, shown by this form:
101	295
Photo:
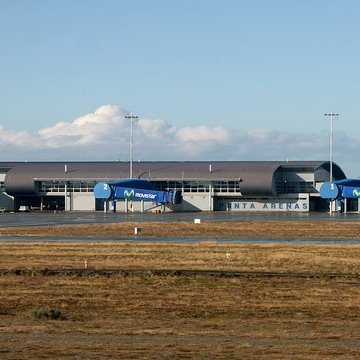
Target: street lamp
331	115
131	117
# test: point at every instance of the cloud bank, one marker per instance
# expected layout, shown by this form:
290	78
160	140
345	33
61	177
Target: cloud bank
104	135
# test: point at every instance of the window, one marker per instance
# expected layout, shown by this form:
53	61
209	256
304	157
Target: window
72	186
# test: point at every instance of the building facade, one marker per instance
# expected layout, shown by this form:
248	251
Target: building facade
205	185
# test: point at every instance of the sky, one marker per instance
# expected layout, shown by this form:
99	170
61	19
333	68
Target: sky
208	80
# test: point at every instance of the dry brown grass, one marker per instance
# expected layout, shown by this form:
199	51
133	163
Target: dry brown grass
206	255
141	317
211	229
182	317
179	317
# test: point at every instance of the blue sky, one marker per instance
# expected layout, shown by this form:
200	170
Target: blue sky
260	74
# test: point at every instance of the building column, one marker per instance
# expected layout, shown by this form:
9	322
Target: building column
211	198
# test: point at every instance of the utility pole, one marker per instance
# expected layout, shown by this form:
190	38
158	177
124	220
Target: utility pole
131	117
332	116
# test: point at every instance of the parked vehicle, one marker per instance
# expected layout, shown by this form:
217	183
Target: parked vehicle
24	208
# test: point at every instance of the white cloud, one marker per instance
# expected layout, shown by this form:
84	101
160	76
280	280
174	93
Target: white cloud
104	135
86	129
21	139
202	134
154	128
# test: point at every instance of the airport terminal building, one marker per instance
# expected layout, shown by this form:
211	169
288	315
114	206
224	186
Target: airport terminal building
204	185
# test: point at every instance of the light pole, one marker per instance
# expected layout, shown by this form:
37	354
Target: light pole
132	117
331	115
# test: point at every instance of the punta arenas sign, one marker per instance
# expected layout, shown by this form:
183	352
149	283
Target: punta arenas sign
299	205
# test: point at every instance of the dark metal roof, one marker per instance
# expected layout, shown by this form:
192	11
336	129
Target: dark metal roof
257	176
6	166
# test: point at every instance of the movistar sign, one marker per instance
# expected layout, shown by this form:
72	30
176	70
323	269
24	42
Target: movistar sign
145	196
356	193
129	193
351	192
136	194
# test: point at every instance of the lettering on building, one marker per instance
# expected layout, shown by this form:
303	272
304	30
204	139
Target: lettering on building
300	205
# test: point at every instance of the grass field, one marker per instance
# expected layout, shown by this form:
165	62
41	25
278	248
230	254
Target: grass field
147	315
207	229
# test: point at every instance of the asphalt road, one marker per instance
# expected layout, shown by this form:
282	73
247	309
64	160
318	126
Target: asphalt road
68	218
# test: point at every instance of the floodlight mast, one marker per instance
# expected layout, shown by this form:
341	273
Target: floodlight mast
332	116
131	117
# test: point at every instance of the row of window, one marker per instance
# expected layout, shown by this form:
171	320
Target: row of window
71	186
198	186
185	186
295	187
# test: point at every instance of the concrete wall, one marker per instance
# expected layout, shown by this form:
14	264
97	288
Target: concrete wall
196	202
80	202
133	206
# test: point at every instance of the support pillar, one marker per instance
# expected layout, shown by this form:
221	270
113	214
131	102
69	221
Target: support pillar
113	205
66	196
211	202
345	205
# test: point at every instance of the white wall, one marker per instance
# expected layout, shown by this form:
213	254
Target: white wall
195	202
81	201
